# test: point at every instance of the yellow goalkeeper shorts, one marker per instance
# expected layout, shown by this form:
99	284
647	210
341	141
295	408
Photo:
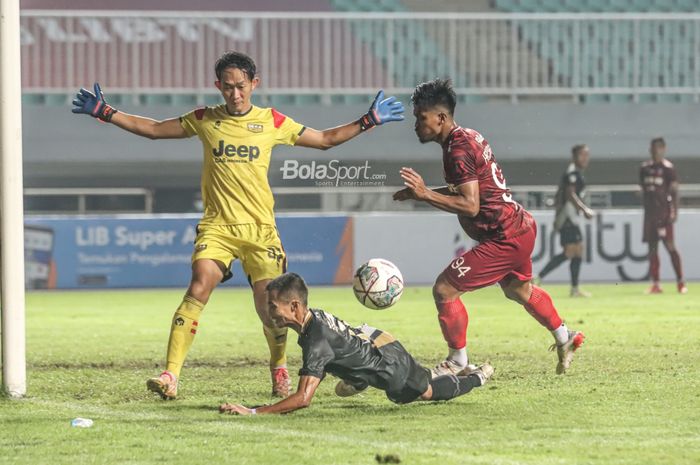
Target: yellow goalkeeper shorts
258	247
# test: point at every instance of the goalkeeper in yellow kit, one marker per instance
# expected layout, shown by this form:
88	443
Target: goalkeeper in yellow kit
238	221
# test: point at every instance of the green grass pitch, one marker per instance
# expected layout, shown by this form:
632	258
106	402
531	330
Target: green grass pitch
631	397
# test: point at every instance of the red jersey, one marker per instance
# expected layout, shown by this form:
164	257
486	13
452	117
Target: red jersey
656	180
466	157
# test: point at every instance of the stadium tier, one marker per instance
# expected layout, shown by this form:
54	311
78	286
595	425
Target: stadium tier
597	6
341	58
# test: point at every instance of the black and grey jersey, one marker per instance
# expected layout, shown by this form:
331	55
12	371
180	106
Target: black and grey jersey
361	355
566	210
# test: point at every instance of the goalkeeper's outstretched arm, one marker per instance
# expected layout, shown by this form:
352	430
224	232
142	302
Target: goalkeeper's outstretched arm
94	104
382	110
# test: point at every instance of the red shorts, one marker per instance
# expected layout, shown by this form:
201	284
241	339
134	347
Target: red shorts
493	261
655	231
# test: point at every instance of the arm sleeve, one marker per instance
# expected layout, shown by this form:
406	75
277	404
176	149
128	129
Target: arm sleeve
191	121
672	175
288	130
315	357
462	167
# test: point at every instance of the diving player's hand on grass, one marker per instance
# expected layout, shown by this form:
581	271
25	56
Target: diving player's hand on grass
235	409
382	110
93	104
414	184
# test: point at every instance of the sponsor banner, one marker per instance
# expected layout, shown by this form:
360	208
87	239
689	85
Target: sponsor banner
143	251
423	244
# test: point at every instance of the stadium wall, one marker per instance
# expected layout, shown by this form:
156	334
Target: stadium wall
423	244
531	140
154	251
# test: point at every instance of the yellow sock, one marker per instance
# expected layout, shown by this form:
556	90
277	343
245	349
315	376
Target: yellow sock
182	332
277	342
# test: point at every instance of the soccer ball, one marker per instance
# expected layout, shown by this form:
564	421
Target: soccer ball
377	284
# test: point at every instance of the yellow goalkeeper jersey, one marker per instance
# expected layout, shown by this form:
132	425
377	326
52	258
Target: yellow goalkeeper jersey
237	150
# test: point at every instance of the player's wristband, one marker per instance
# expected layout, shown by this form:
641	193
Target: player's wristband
103	111
366	122
253	411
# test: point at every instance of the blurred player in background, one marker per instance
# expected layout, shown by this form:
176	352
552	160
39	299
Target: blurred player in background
570	206
239	221
360	357
659	183
477	193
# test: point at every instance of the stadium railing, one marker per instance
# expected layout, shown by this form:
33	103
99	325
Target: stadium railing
167	57
378	198
88	200
327	199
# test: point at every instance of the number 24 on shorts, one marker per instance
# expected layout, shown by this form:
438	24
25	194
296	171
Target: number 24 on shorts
457	265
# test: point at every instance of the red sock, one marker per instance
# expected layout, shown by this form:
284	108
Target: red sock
540	306
676	260
453	322
654	266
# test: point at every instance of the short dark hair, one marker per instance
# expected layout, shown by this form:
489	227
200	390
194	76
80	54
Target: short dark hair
576	149
658	140
289	285
433	93
235	60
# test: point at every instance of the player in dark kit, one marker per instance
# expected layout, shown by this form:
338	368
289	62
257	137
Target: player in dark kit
360	357
477	193
571	206
659	183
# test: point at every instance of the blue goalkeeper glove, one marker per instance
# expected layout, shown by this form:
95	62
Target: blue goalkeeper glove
93	104
382	111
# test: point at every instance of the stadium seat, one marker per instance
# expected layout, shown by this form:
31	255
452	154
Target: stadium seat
33	99
620	98
58	100
352	99
212	99
184	99
156	99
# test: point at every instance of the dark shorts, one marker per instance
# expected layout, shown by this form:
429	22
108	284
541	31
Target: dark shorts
493	261
411	380
655	231
570	233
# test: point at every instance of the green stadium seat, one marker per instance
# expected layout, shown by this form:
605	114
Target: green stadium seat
687	98
352	99
471	98
595	98
156	99
574	6
57	100
33	99
212	99
528	6
668	98
552	6
687	5
281	99
646	98
119	99
258	100
620	98
184	99
307	99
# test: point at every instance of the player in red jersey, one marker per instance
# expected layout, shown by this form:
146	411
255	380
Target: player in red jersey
477	193
659	183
